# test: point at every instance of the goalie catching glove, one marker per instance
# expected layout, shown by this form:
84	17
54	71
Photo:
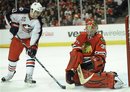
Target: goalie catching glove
32	50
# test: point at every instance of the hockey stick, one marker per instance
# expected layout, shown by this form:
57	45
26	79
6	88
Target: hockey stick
81	77
62	86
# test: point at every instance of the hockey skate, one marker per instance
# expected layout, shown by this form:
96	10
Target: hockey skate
118	83
28	79
8	77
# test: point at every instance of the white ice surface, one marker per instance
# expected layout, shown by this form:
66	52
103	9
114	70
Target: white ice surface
55	59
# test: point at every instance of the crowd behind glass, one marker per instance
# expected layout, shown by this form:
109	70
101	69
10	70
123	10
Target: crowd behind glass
69	11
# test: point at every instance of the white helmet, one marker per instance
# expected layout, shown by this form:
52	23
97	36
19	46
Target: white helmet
37	7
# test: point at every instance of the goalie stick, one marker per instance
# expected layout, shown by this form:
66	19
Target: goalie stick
81	77
62	86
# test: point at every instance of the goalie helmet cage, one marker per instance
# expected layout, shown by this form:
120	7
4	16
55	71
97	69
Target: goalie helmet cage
127	20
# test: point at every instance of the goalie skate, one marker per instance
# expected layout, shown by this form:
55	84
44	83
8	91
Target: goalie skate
28	79
8	77
118	84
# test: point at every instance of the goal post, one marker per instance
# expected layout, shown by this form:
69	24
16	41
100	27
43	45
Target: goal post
128	46
127	29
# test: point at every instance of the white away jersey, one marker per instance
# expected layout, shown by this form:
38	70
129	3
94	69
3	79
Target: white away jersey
28	28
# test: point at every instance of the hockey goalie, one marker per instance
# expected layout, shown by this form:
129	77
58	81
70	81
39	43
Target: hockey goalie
87	61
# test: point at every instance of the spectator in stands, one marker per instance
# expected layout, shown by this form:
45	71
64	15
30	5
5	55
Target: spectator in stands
77	20
45	22
67	12
54	22
92	8
2	22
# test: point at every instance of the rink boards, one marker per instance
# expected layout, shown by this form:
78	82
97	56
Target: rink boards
65	35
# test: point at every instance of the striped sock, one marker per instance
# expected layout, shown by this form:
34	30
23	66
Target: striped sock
30	64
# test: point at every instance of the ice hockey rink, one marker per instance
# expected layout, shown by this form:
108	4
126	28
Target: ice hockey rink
55	59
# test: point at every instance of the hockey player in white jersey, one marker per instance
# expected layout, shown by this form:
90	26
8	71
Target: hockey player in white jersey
28	26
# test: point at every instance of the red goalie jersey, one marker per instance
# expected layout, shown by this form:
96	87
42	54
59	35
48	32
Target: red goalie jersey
92	46
87	61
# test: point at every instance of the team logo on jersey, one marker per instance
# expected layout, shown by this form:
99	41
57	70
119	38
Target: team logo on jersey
87	48
26	28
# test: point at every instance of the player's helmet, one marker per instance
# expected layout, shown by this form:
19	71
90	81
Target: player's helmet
89	19
37	7
91	27
36	10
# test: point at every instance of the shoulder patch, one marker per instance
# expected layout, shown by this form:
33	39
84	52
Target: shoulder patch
20	10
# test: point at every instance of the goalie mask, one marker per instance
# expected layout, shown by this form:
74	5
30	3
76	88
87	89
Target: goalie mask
36	10
91	28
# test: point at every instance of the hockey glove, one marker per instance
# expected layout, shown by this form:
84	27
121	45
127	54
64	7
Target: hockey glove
32	50
14	28
69	76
